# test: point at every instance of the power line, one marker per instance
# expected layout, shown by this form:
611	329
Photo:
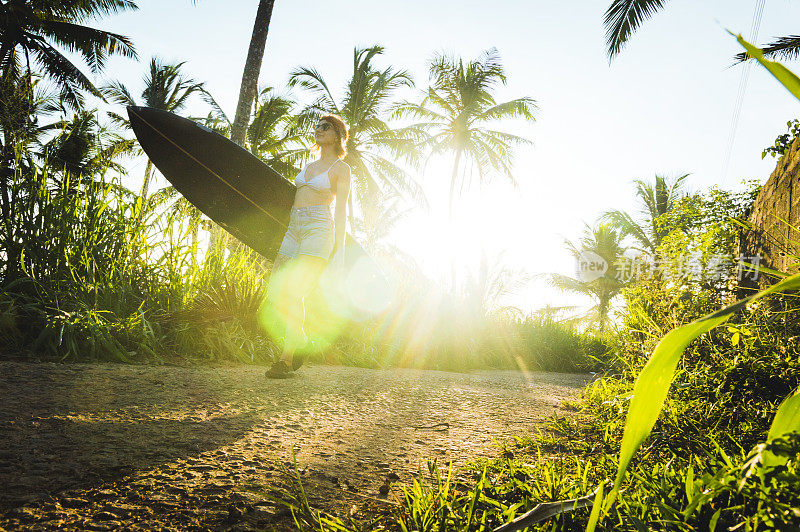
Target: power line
755	26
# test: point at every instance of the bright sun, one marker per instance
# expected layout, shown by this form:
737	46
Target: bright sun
486	220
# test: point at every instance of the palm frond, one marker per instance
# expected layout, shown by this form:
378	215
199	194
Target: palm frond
623	17
118	94
92	44
519	108
69	78
786	48
627	226
311	80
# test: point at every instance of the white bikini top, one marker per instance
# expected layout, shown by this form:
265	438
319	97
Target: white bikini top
319	182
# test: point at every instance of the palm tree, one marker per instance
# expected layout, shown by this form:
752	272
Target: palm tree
457	110
23	104
623	17
165	88
486	289
33	29
605	241
85	147
252	69
656	199
273	134
365	102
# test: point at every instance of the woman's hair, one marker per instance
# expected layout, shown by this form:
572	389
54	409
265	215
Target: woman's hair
341	131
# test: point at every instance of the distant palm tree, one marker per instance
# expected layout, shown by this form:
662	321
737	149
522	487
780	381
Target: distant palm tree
367	97
274	135
605	241
457	110
85	148
623	17
656	199
23	106
165	88
487	289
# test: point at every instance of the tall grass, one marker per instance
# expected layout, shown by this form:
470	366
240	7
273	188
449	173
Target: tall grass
103	276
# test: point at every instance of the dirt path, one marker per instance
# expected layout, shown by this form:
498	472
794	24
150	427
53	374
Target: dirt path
110	446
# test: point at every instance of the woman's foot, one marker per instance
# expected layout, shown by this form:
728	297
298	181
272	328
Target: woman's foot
297	361
279	370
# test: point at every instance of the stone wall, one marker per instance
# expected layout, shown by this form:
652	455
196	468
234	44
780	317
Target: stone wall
769	236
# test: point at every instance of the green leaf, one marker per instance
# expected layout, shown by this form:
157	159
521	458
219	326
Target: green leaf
787	78
786	420
690	483
596	507
712	523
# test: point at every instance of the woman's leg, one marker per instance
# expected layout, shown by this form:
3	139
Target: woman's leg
304	272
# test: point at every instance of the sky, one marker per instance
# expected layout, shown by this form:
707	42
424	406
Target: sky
663	106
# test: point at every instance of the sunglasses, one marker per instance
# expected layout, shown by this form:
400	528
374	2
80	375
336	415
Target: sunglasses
323	126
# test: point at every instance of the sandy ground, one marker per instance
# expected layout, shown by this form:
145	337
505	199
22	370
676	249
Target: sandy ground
109	446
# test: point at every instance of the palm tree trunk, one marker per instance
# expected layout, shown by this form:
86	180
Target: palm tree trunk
247	93
252	68
6	175
453	179
148	170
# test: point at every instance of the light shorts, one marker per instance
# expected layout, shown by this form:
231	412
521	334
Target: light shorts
310	232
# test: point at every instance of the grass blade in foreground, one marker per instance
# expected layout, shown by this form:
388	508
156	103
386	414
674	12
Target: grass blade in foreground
787	419
787	78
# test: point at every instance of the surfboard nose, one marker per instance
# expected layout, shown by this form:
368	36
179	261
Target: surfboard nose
134	113
164	123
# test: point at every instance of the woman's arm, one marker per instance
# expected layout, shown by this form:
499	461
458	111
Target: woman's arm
342	176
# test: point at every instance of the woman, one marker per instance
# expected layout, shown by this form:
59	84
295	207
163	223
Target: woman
311	237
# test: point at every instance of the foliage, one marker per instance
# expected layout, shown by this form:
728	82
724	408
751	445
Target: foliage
165	87
699	239
717	456
784	141
33	31
458	112
105	289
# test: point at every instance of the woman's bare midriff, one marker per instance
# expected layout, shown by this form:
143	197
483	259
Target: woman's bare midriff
307	197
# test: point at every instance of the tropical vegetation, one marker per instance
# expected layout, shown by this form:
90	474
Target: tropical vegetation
128	276
691	422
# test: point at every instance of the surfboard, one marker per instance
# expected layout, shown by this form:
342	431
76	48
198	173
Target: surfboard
242	194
